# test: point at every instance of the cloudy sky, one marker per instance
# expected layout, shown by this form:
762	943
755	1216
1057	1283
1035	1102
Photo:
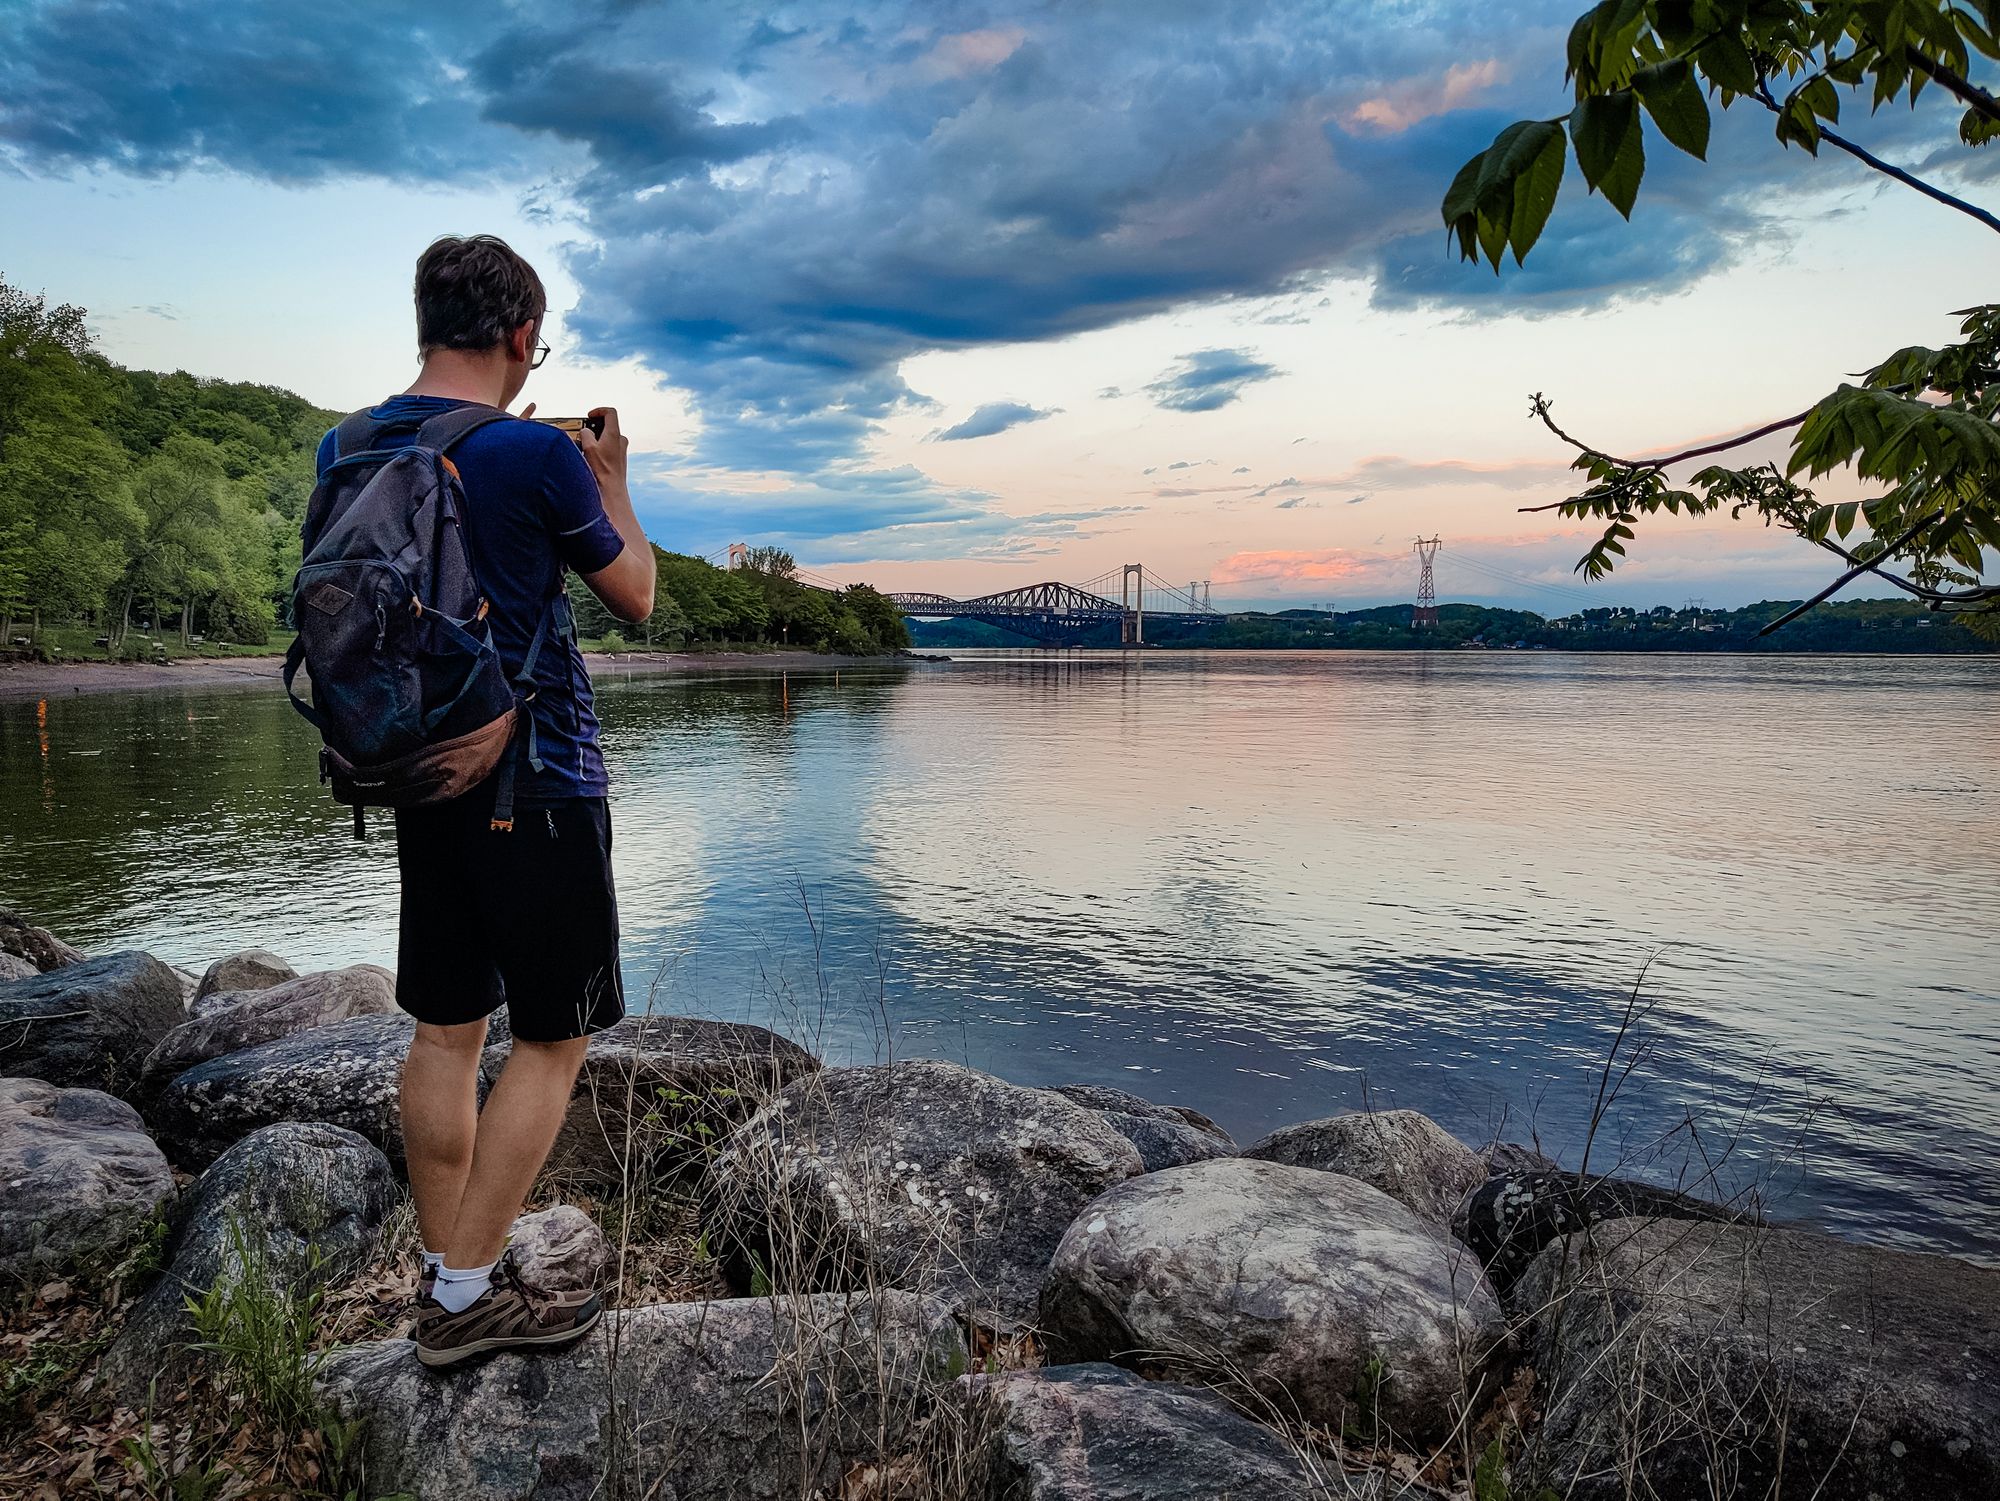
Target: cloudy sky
960	296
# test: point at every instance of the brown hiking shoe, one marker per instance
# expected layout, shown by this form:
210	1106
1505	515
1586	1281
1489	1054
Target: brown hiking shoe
508	1316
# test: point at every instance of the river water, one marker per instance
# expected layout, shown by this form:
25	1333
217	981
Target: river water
1268	886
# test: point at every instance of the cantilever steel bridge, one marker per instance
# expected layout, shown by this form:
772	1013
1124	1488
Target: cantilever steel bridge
1058	613
1054	613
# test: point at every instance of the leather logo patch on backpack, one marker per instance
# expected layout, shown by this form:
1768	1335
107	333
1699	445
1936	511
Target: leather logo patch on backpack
329	598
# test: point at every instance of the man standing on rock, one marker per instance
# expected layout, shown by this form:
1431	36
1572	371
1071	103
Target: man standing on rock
523	917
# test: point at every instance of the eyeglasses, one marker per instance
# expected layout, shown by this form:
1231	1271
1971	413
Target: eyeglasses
541	353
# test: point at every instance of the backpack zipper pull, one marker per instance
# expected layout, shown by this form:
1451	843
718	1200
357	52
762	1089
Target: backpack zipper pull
549	814
381	626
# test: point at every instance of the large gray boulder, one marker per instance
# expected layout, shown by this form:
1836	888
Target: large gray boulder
755	1399
1689	1358
345	1073
1165	1135
14	967
88	1024
920	1174
1098	1433
235	974
296	1206
1324	1296
657	1091
38	946
79	1178
246	1019
1510	1217
1409	1156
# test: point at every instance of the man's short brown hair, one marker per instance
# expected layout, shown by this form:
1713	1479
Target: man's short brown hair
472	292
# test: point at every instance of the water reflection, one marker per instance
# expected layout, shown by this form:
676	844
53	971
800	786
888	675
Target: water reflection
1265	886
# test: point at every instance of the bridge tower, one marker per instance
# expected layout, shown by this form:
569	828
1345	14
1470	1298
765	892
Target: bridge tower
739	555
1132	596
1426	616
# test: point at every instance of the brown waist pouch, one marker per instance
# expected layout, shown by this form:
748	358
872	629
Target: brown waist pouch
435	774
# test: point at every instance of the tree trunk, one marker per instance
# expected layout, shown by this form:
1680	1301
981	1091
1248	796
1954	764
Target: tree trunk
125	618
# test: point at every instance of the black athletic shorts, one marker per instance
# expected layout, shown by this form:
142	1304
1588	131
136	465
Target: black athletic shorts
526	919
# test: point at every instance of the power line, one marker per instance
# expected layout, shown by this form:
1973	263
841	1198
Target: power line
1560	590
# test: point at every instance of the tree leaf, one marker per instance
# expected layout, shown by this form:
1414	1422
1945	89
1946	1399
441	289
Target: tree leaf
1674	100
1726	60
1516	187
1535	193
1461	207
1607	135
1821	97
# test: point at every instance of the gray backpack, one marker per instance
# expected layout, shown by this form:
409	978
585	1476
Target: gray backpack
409	694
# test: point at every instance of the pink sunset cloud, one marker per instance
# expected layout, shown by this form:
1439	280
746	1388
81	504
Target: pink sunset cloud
1403	104
1306	565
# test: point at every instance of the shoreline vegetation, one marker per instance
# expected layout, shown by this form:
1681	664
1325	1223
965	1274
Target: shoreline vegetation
905	1281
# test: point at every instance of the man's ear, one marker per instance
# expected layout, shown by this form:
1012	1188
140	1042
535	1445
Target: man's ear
521	342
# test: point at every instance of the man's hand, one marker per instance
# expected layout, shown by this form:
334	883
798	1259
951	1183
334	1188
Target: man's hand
605	454
625	585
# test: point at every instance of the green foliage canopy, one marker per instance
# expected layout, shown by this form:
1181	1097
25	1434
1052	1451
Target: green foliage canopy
1921	424
127	490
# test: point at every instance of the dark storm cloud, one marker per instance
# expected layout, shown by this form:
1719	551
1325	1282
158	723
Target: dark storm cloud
294	93
993	417
1209	378
636	126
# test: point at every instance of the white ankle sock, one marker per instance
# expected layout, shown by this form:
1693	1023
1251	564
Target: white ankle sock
432	1261
459	1290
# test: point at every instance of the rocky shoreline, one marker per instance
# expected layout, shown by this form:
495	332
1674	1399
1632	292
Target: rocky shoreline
922	1281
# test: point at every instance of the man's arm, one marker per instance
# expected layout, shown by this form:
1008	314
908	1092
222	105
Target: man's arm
625	585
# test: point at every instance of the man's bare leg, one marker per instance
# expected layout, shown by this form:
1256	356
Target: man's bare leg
440	1105
516	1130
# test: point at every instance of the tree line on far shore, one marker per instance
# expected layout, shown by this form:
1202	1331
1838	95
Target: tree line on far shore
173	502
1860	625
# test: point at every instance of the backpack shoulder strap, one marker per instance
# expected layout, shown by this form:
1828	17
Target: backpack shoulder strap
444	431
354	433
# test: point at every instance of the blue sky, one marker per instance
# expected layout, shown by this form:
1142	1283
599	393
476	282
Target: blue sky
964	296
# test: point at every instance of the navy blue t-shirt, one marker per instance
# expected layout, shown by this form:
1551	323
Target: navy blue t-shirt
531	506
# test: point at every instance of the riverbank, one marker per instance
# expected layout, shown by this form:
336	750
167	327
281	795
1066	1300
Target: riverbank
207	1269
32	680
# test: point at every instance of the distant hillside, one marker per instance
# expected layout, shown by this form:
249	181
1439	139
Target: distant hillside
1863	625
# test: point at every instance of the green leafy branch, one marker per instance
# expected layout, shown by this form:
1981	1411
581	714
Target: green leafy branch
1922	423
